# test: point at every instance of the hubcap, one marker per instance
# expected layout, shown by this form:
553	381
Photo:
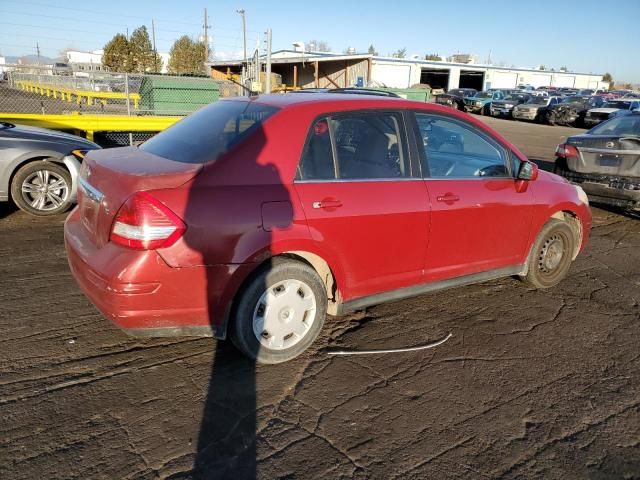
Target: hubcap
45	190
551	254
284	314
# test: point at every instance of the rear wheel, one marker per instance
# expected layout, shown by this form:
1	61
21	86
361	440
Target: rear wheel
42	188
280	312
551	255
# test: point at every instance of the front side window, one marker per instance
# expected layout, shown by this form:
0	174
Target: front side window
455	149
358	146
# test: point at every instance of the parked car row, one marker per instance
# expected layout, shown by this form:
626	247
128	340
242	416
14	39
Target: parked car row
564	106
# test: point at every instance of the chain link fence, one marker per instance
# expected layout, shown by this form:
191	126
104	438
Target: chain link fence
45	90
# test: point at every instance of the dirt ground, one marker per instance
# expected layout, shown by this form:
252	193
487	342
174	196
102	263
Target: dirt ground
532	385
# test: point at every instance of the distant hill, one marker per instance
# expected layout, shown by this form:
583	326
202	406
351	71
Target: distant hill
31	59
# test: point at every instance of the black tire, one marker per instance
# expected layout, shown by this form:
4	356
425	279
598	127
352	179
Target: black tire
486	111
560	166
249	304
551	255
42	174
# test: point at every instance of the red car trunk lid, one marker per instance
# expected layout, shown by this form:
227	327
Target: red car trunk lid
108	177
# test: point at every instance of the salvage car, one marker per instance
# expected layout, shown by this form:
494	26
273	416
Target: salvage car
39	168
455	97
605	161
481	102
504	107
572	110
610	109
535	109
256	217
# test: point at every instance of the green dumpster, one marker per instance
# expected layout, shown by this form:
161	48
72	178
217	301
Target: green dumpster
176	95
417	94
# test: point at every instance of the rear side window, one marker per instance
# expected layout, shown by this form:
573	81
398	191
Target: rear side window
211	131
356	146
456	149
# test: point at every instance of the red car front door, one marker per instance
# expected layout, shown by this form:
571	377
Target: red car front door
366	209
479	220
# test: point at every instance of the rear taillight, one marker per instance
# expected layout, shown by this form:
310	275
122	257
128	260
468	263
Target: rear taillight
144	223
565	150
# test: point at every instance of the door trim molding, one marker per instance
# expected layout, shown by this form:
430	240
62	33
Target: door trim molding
407	292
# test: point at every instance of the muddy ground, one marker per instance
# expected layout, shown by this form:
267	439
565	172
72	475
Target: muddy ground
533	384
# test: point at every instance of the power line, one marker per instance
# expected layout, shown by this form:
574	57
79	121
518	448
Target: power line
111	32
57	8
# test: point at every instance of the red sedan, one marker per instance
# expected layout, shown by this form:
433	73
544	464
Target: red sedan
257	217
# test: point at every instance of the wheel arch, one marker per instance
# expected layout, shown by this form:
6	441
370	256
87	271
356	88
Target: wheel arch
31	157
315	261
566	215
572	219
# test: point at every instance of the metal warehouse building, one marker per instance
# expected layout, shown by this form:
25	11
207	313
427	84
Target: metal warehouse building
311	69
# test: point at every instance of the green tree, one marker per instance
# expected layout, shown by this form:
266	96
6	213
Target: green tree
607	77
400	53
186	56
432	56
542	67
117	55
143	58
372	50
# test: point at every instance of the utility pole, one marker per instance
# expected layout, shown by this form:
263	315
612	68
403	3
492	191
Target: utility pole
155	52
244	36
268	72
206	37
38	51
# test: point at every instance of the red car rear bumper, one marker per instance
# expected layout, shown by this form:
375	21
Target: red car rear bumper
142	295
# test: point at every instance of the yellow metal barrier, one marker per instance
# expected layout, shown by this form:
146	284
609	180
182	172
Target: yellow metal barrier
68	93
92	123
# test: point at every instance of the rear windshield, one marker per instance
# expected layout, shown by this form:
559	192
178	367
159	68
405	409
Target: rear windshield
211	131
627	125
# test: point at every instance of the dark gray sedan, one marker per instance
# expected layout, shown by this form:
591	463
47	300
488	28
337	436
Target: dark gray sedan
39	168
605	161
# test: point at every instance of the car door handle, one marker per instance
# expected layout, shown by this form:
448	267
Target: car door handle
448	198
327	203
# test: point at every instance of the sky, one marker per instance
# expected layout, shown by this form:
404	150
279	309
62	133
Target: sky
586	36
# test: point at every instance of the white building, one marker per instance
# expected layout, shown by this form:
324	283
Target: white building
314	69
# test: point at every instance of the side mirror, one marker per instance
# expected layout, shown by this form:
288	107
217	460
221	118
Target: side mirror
528	171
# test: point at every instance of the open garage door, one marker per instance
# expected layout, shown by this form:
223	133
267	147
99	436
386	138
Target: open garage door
436	77
471	79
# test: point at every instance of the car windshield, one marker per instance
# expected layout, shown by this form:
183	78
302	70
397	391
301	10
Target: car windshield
484	95
573	100
539	100
208	133
515	98
628	125
617	104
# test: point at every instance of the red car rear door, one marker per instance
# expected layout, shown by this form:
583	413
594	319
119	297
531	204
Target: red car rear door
365	202
479	220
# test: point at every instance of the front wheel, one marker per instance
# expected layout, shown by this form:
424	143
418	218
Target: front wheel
551	255
280	312
42	188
